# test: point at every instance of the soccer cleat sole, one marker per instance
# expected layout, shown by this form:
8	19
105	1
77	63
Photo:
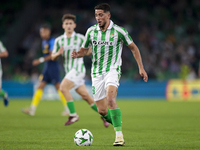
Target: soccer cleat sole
121	143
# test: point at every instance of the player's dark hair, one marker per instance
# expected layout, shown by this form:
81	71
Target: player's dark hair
46	26
69	16
104	6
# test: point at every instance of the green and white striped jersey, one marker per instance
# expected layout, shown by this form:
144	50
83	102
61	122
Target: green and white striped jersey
2	49
70	44
106	47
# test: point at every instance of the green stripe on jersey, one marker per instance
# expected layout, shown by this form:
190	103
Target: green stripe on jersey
68	53
77	67
110	54
117	48
58	46
62	41
95	53
82	67
75	43
103	37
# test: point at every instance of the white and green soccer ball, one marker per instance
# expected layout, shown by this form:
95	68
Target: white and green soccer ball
83	137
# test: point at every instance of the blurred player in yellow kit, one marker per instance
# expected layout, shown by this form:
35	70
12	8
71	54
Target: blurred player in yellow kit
50	72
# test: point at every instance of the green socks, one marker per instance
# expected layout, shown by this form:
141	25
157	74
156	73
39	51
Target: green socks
107	117
116	119
2	93
71	107
94	107
113	116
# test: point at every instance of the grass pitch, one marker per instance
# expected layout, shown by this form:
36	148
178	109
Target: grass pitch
147	125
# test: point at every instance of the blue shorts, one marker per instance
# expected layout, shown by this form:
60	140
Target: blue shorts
51	76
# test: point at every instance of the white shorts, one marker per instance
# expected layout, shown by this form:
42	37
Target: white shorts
76	77
100	83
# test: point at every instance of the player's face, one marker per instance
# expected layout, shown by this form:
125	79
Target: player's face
102	17
45	33
69	25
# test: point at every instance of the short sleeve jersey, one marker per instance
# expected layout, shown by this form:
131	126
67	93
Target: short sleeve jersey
106	47
70	44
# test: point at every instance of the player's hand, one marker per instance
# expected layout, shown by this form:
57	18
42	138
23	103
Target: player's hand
61	50
143	74
74	54
36	62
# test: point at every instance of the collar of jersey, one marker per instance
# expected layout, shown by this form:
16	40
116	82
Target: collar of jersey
73	34
109	27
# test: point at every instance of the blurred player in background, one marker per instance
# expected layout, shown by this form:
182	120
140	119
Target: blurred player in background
106	40
3	54
74	68
50	72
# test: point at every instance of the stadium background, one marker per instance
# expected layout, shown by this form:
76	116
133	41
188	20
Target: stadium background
166	32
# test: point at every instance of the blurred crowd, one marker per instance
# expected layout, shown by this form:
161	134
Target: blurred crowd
166	32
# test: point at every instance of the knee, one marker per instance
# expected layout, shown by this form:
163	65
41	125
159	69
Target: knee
103	112
63	89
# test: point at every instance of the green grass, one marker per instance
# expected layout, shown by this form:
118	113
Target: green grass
147	125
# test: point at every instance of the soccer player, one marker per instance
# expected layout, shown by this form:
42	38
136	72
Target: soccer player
50	72
3	54
74	68
106	40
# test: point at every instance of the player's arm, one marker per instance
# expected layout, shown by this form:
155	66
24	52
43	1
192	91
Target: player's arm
46	58
89	52
3	51
137	56
84	50
41	59
55	55
4	54
81	53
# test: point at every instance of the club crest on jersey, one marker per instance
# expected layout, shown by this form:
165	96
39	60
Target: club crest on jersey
109	43
111	35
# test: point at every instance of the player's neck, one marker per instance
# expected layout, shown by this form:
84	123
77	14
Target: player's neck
68	34
106	26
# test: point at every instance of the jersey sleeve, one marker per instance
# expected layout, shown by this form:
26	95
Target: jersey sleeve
56	46
86	43
51	44
2	47
124	35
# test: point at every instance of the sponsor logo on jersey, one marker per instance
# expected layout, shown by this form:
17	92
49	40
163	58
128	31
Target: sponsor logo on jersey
46	49
109	43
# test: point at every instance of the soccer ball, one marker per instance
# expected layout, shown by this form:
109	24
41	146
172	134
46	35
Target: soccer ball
83	137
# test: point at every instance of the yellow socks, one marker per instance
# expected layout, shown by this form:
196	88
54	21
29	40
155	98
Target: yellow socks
37	97
63	100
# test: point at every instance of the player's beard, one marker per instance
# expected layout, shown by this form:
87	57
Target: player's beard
103	26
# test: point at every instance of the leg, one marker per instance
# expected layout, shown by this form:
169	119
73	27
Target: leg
36	99
5	97
3	94
103	110
82	91
115	114
63	100
65	86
